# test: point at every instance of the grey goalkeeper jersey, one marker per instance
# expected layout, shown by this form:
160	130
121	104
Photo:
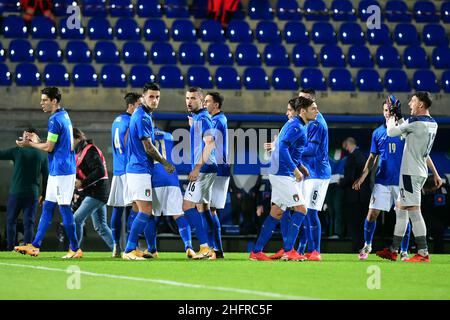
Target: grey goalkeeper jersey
419	132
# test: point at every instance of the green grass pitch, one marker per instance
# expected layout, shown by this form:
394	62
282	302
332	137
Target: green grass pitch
172	276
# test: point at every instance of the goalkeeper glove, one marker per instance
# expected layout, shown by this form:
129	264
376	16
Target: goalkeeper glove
394	106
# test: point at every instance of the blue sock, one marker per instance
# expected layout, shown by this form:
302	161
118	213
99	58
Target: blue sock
137	227
303	237
284	224
217	233
185	232
266	233
130	219
116	223
316	228
405	241
69	225
150	234
369	230
195	219
208	224
44	223
294	227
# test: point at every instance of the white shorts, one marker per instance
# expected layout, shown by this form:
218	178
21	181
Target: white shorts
220	192
167	200
139	187
60	189
118	194
286	192
315	191
200	191
383	197
411	190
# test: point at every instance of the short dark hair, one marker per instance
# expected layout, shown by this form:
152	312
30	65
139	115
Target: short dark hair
424	97
32	130
196	89
300	103
78	134
217	97
52	93
311	92
150	86
131	98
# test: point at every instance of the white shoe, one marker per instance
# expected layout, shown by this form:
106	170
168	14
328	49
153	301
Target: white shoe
364	252
404	256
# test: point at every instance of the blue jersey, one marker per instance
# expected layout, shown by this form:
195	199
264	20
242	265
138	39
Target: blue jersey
141	128
289	147
315	155
160	177
202	126
61	161
221	138
390	150
119	129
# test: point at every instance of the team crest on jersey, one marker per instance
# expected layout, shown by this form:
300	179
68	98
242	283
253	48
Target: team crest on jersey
148	192
296	197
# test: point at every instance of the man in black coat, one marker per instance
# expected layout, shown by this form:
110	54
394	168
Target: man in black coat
355	201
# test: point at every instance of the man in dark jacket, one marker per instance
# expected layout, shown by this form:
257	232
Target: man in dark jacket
355	201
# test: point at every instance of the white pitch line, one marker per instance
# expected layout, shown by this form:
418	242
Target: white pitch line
167	282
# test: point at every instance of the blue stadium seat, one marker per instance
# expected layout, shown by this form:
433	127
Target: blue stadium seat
20	51
199	77
351	33
425	80
276	55
121	8
134	52
211	31
162	53
284	79
359	57
288	10
27	75
10	6
267	32
219	54
380	36
405	34
149	8
199	9
434	35
397	11
323	33
315	10
127	29
425	11
83	75
2	53
388	57
191	53
5	75
112	76
78	52
295	32
156	30
14	27
49	51
176	9
341	80
99	28
106	52
445	81
239	31
303	55
140	75
363	11
94	8
441	57
67	33
255	78
170	77
56	75
332	56
312	79
445	11
343	10
43	28
369	80
396	81
247	54
260	10
227	78
415	57
60	7
183	30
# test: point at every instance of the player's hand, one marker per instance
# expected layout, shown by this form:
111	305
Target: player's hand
298	175
169	167
190	121
269	146
40	200
33	137
23	143
259	211
193	175
78	184
394	106
304	170
357	184
437	181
